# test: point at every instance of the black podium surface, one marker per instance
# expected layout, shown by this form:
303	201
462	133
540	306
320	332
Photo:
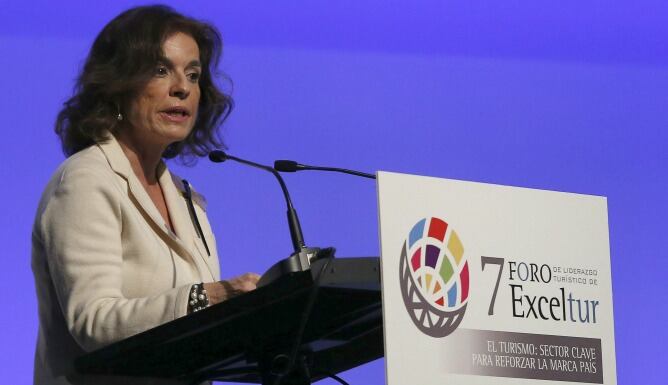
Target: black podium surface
325	321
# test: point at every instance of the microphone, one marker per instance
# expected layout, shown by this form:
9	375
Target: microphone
301	259
292	166
296	234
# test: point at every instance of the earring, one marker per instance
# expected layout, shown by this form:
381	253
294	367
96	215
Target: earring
119	117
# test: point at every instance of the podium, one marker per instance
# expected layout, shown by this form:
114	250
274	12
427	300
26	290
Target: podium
481	284
303	327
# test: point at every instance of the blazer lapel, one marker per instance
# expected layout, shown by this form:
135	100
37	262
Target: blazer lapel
121	165
172	188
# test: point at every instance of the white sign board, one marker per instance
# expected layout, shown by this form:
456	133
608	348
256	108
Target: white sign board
487	284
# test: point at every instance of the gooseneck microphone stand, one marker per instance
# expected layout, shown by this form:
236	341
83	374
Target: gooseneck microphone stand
289	364
301	258
292	166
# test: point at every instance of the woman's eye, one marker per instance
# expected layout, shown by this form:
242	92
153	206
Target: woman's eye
161	71
194	77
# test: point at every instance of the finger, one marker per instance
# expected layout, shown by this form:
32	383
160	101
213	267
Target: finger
245	282
249	286
253	277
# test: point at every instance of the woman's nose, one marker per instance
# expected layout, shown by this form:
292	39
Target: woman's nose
180	87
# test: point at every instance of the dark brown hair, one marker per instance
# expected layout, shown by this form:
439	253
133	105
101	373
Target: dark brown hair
119	65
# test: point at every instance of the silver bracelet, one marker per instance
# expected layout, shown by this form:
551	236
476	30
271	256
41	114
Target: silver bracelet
198	300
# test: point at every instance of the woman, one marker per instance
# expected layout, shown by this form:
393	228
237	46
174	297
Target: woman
120	245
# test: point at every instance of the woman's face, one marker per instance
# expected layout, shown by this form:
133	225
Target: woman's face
166	109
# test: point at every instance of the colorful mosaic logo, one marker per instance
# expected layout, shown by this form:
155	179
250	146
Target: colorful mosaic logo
434	277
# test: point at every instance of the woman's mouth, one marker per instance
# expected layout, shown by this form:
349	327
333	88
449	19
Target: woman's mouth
176	114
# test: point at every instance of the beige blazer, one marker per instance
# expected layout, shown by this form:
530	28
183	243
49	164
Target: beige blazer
106	265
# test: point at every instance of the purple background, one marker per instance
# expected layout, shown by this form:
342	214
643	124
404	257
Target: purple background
561	95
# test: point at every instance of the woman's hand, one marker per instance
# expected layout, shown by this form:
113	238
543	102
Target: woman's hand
224	290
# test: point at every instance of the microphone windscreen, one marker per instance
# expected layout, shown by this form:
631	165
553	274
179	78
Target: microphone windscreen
286	165
217	156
